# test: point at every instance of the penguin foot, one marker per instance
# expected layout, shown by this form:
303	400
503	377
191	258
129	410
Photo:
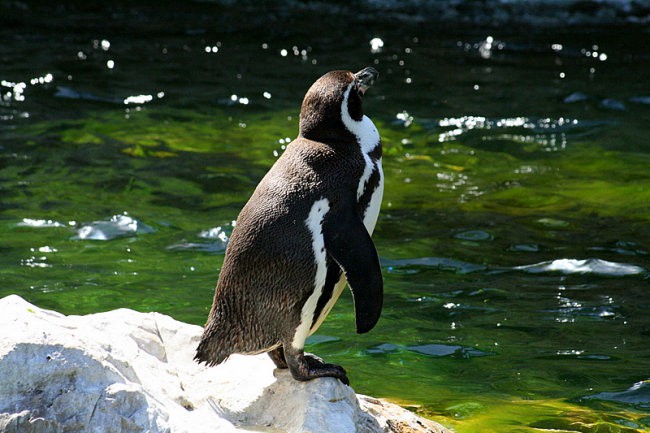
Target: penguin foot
305	367
277	356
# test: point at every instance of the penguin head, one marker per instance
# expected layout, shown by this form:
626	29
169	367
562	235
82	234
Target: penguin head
320	114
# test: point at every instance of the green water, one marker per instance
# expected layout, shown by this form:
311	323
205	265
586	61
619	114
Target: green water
508	161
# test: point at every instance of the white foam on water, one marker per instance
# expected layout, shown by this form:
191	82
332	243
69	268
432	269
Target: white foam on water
214	233
29	222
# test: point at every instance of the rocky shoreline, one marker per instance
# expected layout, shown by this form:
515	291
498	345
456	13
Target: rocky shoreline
125	371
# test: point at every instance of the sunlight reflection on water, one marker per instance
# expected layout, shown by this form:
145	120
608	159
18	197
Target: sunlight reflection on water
543	131
592	266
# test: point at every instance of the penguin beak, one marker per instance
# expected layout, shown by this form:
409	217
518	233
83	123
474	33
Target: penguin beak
365	78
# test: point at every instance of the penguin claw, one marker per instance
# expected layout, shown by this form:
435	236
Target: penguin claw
344	377
305	367
329	370
316	363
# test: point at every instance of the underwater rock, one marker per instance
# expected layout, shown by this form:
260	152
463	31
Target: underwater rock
613	104
641	100
576	97
125	371
434	350
638	395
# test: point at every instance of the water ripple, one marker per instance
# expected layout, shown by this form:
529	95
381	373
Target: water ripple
624	248
441	263
117	226
587	266
549	134
565	266
70	93
217	240
140	99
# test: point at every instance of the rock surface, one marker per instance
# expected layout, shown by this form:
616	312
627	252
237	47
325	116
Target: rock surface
124	371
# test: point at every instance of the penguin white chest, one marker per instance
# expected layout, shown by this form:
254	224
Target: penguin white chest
372	211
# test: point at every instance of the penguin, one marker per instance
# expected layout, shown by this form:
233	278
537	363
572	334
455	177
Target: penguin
303	235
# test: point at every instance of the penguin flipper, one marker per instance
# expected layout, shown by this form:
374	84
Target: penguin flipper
348	242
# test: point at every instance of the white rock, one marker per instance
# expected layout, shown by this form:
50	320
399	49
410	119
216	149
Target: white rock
124	371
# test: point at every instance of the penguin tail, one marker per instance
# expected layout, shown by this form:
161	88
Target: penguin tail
210	354
207	359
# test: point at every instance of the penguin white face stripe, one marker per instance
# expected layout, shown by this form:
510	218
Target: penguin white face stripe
314	224
365	131
368	139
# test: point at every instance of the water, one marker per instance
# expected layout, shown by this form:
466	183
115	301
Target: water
513	235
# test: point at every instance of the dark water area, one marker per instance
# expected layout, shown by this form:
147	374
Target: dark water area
513	235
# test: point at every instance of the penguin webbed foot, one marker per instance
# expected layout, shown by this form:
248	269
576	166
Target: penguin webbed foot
305	367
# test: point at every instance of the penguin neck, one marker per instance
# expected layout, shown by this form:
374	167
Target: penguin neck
335	135
324	126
